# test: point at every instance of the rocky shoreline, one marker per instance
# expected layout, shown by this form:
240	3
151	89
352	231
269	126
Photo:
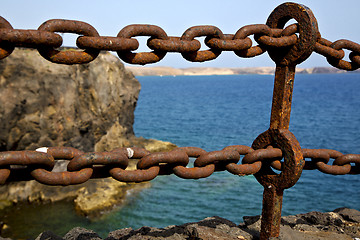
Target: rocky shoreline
89	107
342	223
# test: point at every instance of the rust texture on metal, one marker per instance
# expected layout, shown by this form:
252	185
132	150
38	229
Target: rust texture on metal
282	96
271	37
275	149
238	159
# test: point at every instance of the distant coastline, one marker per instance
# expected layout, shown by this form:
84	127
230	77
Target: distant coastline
170	71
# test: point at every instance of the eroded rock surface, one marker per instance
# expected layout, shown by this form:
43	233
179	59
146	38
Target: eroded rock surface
47	104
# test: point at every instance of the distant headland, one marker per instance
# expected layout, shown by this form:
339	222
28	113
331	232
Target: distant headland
170	71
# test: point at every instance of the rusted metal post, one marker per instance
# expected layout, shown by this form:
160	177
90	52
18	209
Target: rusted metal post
282	95
278	134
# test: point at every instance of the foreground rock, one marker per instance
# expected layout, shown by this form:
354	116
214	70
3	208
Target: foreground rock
342	223
89	107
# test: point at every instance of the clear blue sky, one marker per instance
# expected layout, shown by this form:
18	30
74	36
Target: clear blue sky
336	19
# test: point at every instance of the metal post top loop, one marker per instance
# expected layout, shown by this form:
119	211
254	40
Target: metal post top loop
293	159
308	33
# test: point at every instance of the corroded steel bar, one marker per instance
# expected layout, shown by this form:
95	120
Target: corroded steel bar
282	95
30	38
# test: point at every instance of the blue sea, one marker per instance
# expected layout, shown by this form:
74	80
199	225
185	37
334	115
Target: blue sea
213	112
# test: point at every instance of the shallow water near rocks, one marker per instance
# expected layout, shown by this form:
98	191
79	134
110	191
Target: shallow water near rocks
212	112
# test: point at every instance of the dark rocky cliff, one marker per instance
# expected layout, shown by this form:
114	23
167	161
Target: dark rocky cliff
89	107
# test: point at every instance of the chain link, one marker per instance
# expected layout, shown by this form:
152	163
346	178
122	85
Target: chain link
82	166
47	41
334	53
68	57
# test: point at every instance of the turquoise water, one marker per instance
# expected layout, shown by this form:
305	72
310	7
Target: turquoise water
216	111
212	112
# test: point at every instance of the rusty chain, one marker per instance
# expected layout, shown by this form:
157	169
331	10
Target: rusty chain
46	40
82	166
